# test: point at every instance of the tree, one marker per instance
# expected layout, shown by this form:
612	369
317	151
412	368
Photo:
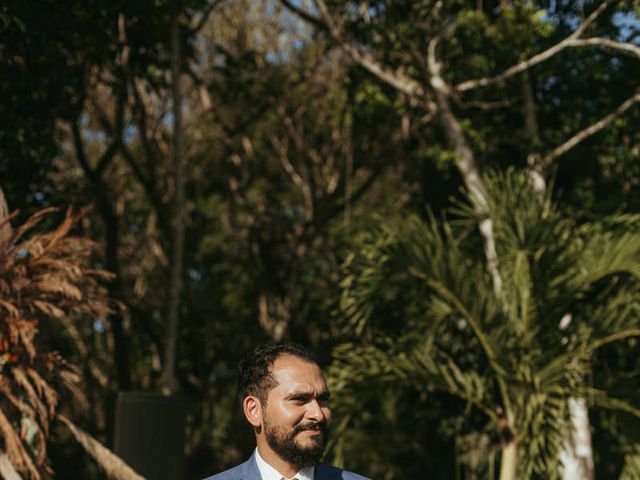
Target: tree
505	357
44	278
389	44
299	130
296	156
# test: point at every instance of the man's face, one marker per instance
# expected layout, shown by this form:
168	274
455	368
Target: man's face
297	414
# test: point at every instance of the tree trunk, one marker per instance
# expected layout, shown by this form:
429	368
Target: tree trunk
577	456
168	381
509	462
111	224
531	126
112	263
466	163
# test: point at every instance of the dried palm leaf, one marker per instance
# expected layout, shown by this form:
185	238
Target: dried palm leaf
5	226
114	466
6	469
44	277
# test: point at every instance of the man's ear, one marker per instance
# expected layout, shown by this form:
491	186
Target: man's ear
252	411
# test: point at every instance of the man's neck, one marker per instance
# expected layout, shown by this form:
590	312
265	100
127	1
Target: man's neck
275	461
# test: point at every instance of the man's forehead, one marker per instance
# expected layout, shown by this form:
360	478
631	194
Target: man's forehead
294	369
288	361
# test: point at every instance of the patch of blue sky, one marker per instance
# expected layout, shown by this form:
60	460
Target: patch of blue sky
629	25
98	325
195	274
135	227
627	22
295	32
89	133
130	133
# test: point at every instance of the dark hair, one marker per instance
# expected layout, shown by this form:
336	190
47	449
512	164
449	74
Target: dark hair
254	371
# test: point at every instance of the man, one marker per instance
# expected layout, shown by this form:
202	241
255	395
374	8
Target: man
286	400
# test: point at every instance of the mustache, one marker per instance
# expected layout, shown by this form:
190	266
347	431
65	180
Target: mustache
321	426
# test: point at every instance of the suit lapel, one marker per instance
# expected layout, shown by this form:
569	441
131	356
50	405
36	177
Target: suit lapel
324	473
249	470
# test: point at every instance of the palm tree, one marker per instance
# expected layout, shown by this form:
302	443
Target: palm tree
46	276
568	290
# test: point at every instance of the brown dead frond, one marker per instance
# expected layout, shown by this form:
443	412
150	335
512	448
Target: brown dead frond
5	226
114	466
7	471
44	276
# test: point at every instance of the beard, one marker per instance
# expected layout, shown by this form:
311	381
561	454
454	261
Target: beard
284	443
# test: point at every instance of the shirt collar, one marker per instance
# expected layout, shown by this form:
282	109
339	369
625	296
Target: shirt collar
267	472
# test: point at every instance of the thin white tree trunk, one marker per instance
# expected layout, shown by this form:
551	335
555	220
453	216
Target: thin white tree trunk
509	462
466	163
577	456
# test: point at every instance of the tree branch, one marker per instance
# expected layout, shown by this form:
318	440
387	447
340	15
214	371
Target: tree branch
395	79
335	207
205	16
608	43
202	87
151	191
107	157
486	106
81	155
283	155
115	131
466	161
590	130
536	59
142	116
306	16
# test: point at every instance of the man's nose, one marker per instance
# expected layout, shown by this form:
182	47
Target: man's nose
314	411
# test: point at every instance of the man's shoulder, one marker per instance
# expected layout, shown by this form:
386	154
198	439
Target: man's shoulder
329	472
323	472
235	473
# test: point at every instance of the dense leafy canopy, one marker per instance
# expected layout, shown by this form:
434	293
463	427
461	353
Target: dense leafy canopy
343	163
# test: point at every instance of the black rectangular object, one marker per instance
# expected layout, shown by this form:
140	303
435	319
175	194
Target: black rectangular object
150	434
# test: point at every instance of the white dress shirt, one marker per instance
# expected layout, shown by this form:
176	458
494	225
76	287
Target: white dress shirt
267	472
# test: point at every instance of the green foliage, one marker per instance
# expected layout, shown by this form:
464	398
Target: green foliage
520	364
438	359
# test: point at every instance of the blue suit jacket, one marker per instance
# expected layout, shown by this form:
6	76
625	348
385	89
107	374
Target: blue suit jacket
249	471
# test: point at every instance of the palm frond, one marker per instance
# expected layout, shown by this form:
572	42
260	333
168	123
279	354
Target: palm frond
389	363
605	254
631	469
422	265
541	423
6	468
114	466
5	226
43	276
528	364
603	400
